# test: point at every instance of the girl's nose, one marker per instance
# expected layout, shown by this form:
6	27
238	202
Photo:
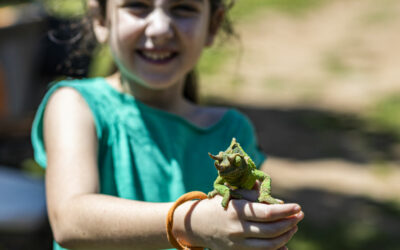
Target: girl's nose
159	26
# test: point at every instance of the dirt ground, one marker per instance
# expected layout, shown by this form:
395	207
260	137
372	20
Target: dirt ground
343	56
306	82
282	67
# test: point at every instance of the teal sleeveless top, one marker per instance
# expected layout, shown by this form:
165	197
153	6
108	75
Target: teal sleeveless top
145	153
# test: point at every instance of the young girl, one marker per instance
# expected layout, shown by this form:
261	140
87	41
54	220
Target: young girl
120	150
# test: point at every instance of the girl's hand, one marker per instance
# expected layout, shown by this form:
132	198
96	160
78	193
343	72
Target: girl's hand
242	225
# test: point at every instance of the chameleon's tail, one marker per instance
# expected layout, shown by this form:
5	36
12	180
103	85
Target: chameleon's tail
169	223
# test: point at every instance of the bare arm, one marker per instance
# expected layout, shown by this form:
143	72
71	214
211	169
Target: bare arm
78	214
81	218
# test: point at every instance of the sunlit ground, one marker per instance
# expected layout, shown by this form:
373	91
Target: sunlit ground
321	84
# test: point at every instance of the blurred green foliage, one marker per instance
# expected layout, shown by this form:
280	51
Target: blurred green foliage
30	167
13	2
65	8
335	64
213	58
246	8
385	115
102	63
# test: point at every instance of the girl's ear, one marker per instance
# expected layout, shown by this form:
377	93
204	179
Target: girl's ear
99	22
215	23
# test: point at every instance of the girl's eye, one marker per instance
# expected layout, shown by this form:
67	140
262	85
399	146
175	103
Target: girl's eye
184	10
137	7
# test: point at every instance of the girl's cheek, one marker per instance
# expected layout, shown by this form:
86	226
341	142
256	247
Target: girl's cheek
129	26
192	29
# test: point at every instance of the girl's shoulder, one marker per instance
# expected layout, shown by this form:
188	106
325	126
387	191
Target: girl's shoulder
95	91
214	111
88	96
207	116
79	84
218	112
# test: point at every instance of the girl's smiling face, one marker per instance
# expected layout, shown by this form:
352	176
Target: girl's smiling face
157	42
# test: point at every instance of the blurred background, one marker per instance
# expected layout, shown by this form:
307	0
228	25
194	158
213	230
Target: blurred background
318	78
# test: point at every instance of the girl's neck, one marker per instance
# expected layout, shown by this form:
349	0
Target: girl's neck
170	100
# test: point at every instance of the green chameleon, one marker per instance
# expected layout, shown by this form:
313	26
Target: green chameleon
237	170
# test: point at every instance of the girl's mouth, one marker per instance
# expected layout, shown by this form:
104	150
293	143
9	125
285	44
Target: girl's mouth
158	57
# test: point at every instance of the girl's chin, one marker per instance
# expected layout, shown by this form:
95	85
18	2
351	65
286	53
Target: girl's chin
154	81
157	83
160	80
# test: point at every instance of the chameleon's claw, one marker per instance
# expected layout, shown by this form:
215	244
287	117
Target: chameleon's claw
225	201
212	194
268	199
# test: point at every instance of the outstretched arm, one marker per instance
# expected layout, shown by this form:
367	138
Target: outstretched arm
81	218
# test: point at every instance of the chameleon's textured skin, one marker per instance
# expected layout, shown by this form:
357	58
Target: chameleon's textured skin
237	170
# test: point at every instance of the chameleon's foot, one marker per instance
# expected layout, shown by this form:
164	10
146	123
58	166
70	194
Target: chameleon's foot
225	200
212	194
269	199
224	204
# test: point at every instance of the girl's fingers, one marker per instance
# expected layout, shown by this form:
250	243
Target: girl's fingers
268	230
275	243
265	213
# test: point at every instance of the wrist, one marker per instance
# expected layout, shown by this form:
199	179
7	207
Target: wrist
183	225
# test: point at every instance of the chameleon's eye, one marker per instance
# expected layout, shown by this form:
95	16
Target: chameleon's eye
238	161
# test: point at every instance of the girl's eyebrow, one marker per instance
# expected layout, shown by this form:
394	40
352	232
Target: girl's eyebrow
199	1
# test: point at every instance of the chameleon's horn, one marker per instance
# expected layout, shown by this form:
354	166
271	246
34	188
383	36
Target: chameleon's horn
215	157
217	166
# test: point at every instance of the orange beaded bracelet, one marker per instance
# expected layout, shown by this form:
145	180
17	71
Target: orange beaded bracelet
169	223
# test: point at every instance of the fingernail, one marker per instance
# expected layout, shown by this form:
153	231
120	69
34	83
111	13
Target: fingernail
297	208
300	215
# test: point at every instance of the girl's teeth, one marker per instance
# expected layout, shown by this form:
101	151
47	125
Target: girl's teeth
158	55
